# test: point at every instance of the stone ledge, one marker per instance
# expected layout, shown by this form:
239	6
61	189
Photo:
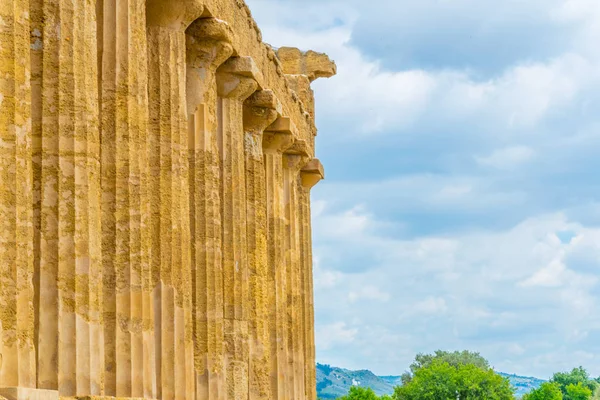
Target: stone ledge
21	393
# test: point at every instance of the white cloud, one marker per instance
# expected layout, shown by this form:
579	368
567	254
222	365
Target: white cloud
508	157
480	290
431	305
551	275
376	100
368	292
334	335
324	279
458	245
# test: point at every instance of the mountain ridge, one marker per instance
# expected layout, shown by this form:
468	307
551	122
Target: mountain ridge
334	382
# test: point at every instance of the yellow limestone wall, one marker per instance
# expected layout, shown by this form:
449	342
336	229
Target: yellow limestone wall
156	161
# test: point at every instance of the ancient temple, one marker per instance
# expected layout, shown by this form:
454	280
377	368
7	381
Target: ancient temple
156	162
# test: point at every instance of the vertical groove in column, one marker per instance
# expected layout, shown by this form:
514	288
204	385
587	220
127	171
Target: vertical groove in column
289	279
311	174
169	216
36	53
146	352
208	46
293	162
233	90
128	320
66	200
306	272
312	360
17	367
276	140
260	110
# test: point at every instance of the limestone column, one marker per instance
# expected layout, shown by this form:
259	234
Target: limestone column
66	198
208	46
169	216
276	139
260	110
128	319
294	160
311	174
236	81
17	352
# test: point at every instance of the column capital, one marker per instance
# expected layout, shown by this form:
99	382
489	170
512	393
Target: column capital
312	173
261	109
297	155
173	14
298	148
238	77
208	43
279	136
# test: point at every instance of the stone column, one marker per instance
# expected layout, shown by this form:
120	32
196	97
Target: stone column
311	174
128	320
276	139
17	351
66	198
169	216
236	81
294	160
260	110
208	46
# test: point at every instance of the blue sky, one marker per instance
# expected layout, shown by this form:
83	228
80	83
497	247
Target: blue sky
461	210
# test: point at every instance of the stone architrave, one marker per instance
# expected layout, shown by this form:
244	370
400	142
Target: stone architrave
260	111
208	46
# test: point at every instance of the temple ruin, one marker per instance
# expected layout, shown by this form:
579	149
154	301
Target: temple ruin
156	162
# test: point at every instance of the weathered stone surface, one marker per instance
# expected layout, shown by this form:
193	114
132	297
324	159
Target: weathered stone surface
312	64
208	46
260	111
21	393
156	160
17	352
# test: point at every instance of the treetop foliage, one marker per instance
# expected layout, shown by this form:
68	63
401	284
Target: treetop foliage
468	376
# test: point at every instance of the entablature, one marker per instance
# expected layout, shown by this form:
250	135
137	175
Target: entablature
275	68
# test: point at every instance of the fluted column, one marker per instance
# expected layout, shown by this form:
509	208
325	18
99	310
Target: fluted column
17	360
294	160
128	318
169	215
276	139
235	82
311	174
208	46
66	197
260	110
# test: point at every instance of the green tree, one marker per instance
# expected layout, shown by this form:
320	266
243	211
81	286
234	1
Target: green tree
455	359
578	392
439	380
577	376
360	393
476	383
547	391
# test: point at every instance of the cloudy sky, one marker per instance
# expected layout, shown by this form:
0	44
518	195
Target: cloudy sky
461	210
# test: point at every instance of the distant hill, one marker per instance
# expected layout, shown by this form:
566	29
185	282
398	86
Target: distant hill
523	384
334	382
